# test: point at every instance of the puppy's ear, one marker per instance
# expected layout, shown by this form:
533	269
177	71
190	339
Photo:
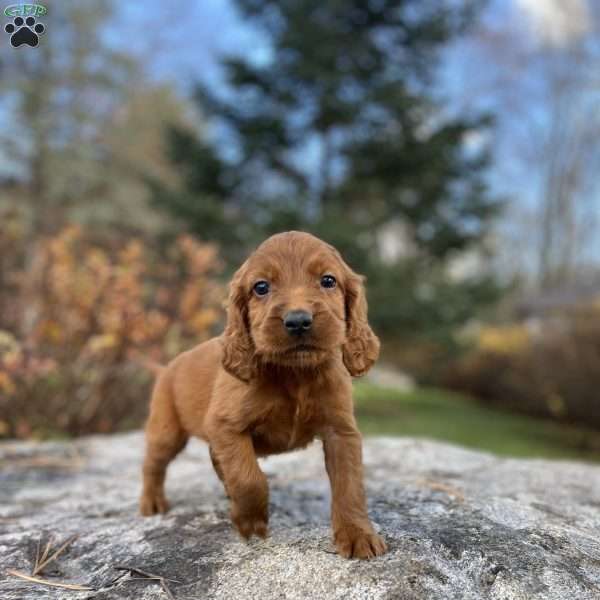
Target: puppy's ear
238	348
361	349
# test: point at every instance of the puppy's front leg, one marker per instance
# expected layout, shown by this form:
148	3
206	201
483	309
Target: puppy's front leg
244	482
352	530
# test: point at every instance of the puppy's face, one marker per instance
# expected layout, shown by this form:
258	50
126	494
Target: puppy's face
295	287
295	302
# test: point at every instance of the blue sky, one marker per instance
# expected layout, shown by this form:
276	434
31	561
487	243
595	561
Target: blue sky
192	37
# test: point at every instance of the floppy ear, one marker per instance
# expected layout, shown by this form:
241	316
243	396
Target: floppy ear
238	348
361	349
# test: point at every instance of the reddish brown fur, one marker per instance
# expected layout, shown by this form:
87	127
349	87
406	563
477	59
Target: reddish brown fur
250	393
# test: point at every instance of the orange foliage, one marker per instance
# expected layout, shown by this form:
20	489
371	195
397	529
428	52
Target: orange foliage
80	309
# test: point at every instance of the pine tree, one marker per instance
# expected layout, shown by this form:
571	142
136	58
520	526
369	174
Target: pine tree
339	133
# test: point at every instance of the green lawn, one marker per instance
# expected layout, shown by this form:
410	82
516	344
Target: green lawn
442	415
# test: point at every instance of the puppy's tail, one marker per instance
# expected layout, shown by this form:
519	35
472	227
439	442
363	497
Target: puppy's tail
151	365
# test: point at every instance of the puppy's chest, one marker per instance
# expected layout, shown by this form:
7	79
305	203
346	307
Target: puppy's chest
292	422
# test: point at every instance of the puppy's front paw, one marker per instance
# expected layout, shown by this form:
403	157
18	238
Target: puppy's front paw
250	523
249	527
153	503
352	542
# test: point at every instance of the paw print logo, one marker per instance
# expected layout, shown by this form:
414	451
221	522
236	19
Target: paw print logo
24	31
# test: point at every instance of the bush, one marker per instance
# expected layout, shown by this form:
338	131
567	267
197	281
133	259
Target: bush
551	369
80	310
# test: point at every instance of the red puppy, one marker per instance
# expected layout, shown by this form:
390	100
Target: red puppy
279	376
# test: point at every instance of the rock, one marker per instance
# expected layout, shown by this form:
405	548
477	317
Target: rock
459	524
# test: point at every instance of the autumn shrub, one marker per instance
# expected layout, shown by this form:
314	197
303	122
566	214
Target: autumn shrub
79	313
549	368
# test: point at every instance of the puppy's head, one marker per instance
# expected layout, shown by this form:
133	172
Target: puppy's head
295	303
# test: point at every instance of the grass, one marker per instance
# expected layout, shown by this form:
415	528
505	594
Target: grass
443	415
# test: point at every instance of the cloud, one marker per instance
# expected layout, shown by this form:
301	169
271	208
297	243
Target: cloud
557	22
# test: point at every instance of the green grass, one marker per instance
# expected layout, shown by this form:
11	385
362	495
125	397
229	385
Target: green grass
442	415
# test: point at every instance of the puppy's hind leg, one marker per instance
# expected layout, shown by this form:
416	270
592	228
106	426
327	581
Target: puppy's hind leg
165	438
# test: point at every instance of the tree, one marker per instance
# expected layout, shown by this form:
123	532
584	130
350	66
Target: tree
339	133
82	129
59	96
537	67
82	126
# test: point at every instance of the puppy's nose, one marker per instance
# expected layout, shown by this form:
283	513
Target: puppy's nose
297	321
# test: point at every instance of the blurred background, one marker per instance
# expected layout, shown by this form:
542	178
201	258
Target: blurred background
449	148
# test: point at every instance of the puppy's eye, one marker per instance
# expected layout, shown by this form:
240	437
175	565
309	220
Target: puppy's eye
261	288
328	281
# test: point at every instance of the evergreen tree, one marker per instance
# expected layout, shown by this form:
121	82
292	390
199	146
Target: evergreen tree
340	134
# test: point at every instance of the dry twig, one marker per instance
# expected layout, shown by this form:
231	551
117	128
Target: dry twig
42	559
149	576
438	486
45	560
39	580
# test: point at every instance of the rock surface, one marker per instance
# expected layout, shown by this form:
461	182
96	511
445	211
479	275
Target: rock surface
459	524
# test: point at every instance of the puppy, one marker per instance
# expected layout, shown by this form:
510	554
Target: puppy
278	377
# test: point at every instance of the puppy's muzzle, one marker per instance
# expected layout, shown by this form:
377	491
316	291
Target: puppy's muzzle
297	322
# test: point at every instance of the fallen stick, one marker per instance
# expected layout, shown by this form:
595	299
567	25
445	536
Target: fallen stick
40	581
45	560
149	577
